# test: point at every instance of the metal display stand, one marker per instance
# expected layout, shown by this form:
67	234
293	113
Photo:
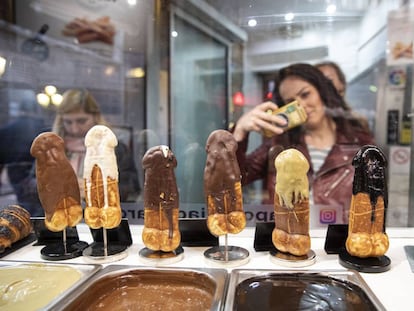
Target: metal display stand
292	261
225	255
160	258
104	252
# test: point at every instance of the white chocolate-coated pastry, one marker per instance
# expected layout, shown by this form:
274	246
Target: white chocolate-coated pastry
103	206
291	203
292	183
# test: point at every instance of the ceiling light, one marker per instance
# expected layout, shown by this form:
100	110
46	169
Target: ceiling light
50	90
56	99
43	99
109	70
252	22
289	17
137	72
331	9
174	34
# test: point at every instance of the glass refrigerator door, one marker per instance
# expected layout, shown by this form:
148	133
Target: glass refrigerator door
199	98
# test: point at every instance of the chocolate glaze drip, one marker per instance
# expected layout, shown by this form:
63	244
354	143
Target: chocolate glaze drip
160	187
370	166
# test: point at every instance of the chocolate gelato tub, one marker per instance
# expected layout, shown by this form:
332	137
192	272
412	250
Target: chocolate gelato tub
121	287
34	286
299	290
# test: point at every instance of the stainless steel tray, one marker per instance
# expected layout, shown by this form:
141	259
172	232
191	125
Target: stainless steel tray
248	289
127	278
86	271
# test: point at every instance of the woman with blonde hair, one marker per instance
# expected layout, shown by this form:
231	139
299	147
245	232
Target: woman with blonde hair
77	101
78	113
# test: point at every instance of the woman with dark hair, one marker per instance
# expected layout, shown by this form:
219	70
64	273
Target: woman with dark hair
334	73
329	138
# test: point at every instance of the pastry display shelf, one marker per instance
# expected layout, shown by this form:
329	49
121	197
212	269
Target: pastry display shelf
394	288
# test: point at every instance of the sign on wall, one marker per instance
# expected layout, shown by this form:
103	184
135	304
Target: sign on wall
400	37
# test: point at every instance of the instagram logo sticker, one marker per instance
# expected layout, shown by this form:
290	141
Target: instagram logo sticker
327	216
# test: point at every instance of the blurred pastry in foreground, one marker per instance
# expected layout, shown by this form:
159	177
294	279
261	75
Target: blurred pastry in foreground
161	200
366	231
291	203
222	185
57	184
103	206
15	225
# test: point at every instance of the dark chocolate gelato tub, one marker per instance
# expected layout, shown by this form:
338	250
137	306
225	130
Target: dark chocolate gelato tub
121	287
299	290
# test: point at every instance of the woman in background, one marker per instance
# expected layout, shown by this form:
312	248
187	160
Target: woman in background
334	73
78	113
329	138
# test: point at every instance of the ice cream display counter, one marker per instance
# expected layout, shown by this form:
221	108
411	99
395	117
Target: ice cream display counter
390	290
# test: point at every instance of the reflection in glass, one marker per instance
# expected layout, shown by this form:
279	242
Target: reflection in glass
198	103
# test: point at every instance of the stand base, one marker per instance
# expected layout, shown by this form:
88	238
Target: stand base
236	256
160	258
368	265
289	260
96	252
57	251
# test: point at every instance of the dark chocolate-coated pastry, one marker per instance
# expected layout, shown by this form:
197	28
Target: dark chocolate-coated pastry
57	183
370	164
161	200
366	233
222	185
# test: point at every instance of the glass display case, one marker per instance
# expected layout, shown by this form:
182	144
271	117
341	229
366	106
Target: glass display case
171	71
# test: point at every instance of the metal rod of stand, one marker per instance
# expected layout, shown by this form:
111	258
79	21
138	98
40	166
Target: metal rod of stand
64	241
105	240
226	250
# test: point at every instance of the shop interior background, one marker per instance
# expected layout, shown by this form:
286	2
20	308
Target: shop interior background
173	71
